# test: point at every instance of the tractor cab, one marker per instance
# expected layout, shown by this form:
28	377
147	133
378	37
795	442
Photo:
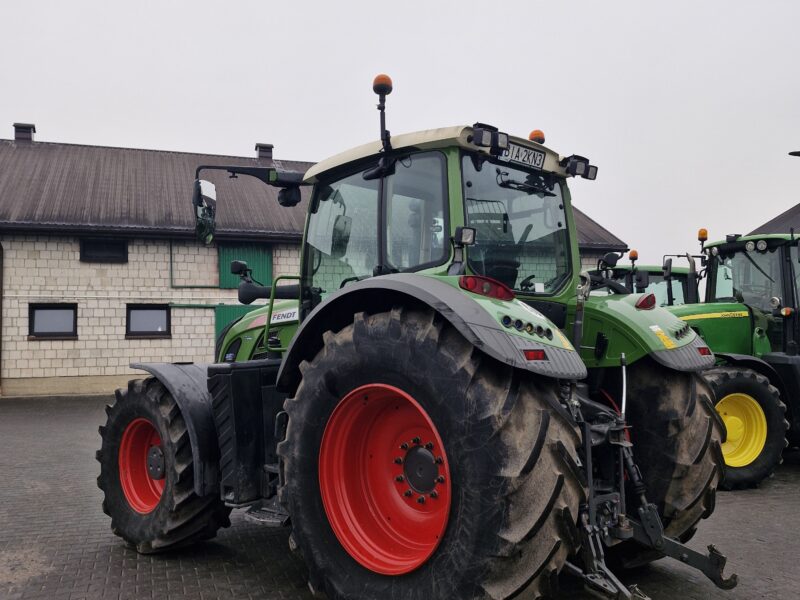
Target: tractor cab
757	275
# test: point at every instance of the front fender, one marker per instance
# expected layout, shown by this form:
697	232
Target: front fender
188	385
465	314
613	326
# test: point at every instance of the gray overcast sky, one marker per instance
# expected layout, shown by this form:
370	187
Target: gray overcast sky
689	108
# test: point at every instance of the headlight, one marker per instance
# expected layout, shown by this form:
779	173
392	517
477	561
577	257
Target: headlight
761	245
750	246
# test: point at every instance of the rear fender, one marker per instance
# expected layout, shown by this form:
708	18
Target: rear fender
466	315
187	383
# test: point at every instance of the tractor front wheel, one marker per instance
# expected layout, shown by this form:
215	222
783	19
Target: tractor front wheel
415	467
146	473
755	418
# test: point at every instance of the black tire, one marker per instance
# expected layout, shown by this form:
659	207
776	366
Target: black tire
677	437
181	517
511	447
729	380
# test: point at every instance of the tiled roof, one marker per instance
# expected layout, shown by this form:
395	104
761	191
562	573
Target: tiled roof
68	187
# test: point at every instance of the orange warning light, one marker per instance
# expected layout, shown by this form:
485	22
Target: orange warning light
537	135
382	84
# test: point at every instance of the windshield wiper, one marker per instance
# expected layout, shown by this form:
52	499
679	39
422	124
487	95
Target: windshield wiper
522	186
762	271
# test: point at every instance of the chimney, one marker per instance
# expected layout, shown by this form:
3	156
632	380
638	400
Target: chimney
264	150
23	132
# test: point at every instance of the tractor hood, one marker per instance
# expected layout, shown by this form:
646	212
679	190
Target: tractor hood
250	327
613	325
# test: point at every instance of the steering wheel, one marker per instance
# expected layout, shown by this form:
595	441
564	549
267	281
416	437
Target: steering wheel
527	283
598	281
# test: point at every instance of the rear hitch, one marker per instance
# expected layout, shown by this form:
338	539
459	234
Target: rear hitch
604	520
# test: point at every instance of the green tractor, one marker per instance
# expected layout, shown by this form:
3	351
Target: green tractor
748	319
672	285
437	406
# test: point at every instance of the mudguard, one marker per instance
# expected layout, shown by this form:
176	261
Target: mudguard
187	382
379	294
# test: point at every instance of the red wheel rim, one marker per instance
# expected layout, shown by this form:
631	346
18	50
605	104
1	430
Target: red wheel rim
384	479
141	491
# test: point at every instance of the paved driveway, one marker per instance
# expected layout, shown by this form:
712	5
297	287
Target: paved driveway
55	542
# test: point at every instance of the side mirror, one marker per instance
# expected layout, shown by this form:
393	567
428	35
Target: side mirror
204	201
610	259
239	267
641	280
464	236
340	236
667	268
289	196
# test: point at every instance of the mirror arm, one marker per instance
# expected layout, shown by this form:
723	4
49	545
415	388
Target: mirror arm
268	175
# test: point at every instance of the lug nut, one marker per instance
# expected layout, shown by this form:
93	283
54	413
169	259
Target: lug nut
407	493
429	445
403	446
398	461
440	479
416	440
421	500
399	478
439	460
434	494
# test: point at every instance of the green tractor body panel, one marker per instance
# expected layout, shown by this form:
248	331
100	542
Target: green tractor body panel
725	326
614	326
244	339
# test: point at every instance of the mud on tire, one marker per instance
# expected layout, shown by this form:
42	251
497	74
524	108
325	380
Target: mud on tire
510	448
677	437
180	516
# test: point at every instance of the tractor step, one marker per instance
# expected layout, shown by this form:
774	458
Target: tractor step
268	513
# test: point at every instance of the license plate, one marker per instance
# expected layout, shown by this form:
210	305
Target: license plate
524	156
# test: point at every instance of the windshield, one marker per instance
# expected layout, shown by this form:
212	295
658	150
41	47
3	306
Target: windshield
521	236
658	286
342	238
748	277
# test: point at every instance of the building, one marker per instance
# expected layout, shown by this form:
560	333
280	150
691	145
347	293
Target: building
101	267
784	223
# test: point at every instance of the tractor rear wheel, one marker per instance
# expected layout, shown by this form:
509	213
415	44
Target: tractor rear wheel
417	468
755	418
147	476
677	437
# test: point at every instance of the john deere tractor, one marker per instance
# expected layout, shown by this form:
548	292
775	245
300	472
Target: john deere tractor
749	320
437	406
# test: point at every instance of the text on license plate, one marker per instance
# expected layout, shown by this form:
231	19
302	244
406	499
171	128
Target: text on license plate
525	156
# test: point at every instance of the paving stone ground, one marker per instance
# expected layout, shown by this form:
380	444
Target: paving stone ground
55	542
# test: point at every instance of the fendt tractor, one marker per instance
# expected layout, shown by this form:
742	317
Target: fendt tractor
436	407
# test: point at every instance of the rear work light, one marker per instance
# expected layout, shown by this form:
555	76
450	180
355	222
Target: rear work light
537	354
485	287
704	351
646	302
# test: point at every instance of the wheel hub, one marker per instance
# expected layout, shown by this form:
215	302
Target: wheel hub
420	469
747	429
384	479
155	462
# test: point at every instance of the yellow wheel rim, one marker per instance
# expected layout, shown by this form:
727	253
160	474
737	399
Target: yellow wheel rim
747	429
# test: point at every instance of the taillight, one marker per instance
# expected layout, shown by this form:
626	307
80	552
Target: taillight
646	302
704	351
536	354
485	287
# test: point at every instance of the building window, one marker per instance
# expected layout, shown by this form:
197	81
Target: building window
147	321
52	321
104	250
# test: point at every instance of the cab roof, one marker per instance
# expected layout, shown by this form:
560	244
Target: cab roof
755	238
459	135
